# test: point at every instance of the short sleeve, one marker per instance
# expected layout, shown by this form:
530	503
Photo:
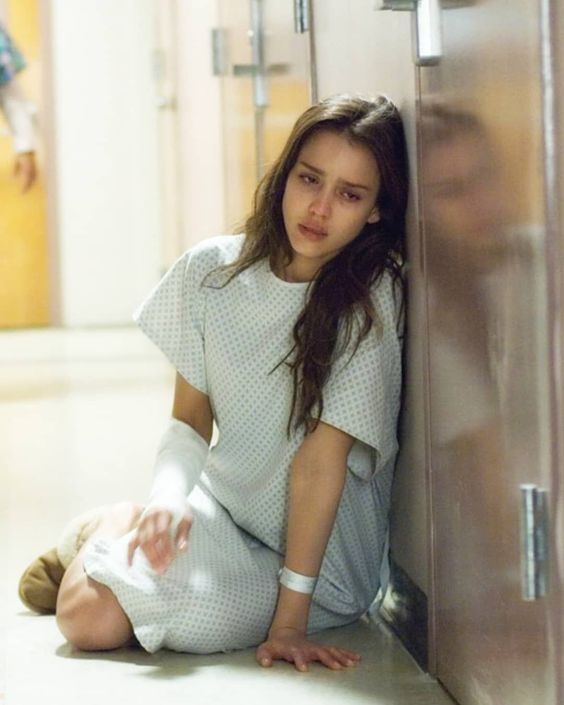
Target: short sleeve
362	395
173	316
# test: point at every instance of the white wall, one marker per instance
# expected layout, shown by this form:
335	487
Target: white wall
106	158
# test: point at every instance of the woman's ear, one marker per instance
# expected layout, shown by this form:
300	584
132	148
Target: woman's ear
374	216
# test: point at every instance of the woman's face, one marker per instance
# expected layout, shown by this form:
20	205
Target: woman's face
330	195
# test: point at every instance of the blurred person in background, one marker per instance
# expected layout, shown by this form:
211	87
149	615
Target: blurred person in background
17	111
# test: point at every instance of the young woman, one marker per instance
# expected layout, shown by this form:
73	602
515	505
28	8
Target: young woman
288	339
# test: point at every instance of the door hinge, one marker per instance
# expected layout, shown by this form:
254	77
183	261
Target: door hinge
301	16
534	542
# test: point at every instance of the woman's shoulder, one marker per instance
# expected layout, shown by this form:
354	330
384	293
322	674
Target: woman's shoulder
217	251
387	295
388	286
210	254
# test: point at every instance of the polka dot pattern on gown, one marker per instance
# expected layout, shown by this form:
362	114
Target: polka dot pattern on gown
228	341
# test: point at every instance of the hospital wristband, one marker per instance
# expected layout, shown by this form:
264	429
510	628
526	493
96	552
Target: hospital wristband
297	581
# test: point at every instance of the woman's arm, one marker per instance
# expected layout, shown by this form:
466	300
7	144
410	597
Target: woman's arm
165	523
20	119
193	408
317	479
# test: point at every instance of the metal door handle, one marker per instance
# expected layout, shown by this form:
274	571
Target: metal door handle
427	27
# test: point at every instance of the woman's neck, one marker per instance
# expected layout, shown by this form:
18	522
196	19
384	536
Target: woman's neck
298	271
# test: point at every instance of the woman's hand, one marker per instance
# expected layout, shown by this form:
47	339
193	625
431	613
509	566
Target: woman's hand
291	645
25	170
154	538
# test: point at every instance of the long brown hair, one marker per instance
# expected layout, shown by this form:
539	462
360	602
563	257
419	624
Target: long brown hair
341	288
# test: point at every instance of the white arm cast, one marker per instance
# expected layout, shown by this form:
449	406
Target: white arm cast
181	457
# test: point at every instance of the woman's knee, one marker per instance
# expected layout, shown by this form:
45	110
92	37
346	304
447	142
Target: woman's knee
91	619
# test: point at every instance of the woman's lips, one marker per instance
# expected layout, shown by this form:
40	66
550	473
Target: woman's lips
311	232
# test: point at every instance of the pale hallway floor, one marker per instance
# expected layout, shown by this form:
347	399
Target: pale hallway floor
80	418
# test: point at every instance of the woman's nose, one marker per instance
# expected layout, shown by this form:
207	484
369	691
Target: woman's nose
321	205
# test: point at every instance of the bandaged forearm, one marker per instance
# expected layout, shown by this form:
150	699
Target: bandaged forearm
181	457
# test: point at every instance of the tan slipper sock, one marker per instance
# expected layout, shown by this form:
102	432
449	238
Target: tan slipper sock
39	584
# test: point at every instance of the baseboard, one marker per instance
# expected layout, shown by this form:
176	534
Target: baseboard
405	611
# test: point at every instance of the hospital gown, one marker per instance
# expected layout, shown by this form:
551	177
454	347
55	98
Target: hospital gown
227	341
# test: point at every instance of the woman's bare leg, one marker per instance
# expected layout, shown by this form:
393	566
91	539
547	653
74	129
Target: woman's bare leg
88	613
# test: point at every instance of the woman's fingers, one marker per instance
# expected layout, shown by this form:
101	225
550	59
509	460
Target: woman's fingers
334	658
300	660
156	554
154	539
162	542
263	656
344	656
270	651
331	661
181	539
330	656
131	548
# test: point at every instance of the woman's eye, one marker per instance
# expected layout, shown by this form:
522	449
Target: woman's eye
308	178
349	196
